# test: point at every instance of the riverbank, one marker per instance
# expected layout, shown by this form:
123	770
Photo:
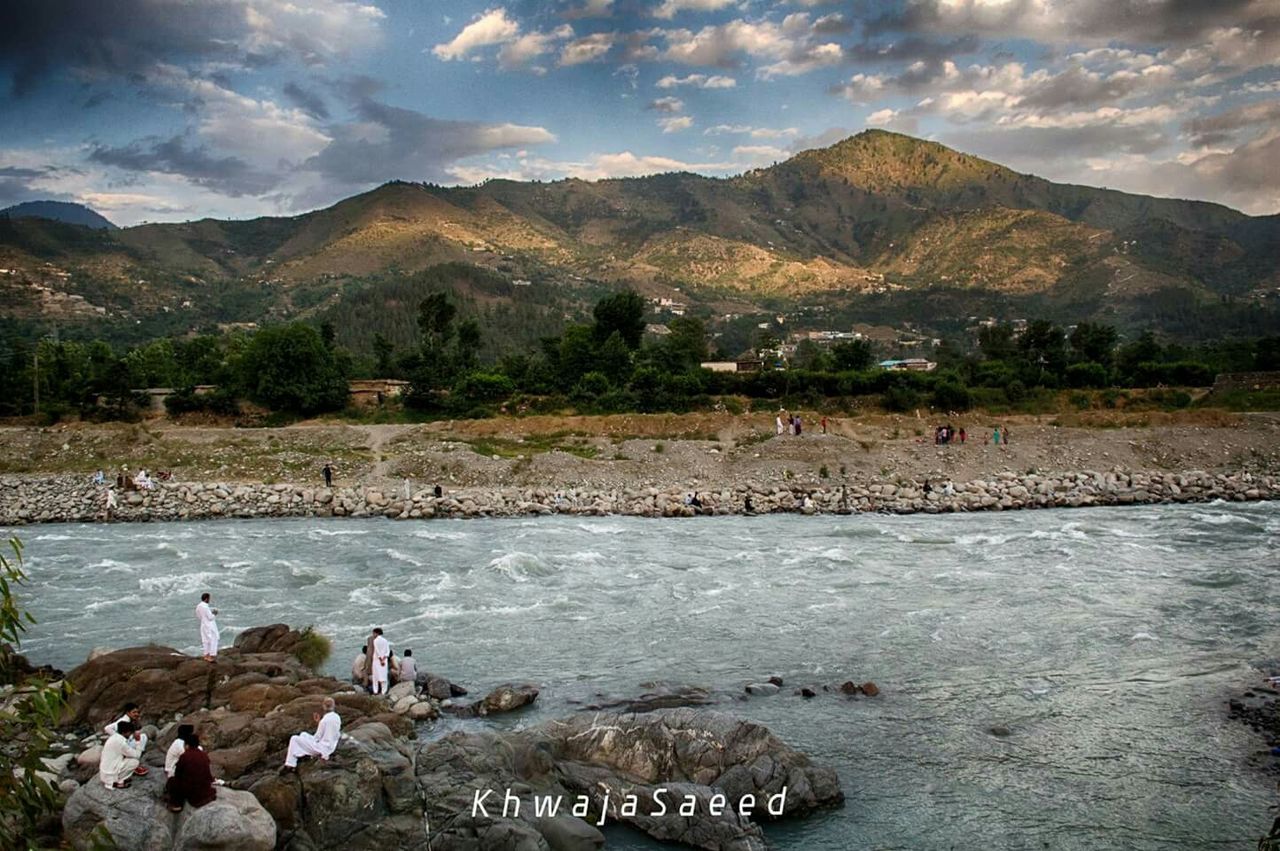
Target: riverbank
642	465
25	499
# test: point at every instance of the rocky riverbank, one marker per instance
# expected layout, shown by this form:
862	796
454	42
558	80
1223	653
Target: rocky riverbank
67	499
718	777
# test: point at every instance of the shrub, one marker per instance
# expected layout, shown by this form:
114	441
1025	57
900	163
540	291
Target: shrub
952	396
313	649
900	399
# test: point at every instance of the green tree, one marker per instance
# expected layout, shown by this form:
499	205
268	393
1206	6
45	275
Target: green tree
613	360
384	356
996	342
853	355
621	312
687	343
1094	342
576	354
26	800
289	368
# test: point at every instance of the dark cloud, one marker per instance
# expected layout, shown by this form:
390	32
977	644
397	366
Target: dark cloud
1045	150
911	49
15	185
227	175
1147	21
308	101
113	38
1077	87
1219	129
833	24
390	142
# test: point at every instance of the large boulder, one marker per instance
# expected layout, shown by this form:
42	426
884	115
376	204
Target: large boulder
234	821
135	818
276	638
506	698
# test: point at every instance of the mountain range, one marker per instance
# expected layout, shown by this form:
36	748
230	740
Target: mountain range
59	211
876	219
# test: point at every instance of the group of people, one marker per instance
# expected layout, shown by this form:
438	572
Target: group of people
790	424
188	773
945	434
376	667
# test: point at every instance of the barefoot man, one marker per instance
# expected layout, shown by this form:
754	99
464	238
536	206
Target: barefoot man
381	652
322	744
208	627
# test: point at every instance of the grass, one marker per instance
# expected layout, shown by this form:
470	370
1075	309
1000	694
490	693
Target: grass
532	445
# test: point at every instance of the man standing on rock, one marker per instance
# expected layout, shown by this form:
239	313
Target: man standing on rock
328	475
322	744
368	659
208	627
381	654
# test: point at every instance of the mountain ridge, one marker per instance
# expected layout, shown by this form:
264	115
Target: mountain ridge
60	211
875	212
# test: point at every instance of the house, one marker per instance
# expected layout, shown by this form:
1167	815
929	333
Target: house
368	392
909	365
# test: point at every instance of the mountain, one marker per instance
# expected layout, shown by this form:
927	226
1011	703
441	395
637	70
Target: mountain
59	211
878	224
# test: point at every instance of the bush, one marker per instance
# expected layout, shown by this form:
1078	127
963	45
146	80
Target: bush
1015	391
187	400
900	399
590	387
952	396
313	649
1088	374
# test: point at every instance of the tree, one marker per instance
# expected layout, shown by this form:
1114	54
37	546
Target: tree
996	342
1094	342
26	800
384	356
1044	347
576	354
687	343
289	368
613	360
622	312
854	355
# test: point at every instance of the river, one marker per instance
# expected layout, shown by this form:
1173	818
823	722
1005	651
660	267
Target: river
1105	640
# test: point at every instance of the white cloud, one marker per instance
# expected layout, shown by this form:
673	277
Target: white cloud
759	154
489	28
667	104
675	124
753	132
670	8
589	48
701	81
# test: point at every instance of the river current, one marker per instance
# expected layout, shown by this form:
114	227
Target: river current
1106	642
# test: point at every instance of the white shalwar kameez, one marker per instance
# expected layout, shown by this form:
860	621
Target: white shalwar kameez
208	629
110	730
322	744
381	652
171	757
119	758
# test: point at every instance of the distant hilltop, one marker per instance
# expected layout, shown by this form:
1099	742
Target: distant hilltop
59	211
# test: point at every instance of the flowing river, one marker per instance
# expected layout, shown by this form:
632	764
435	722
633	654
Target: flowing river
1105	640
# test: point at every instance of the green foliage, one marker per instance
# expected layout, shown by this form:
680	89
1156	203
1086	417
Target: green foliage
288	368
622	312
853	355
951	396
900	399
26	800
313	648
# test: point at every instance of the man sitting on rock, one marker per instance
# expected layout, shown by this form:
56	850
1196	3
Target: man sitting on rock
408	668
132	714
176	749
322	744
358	668
120	756
192	781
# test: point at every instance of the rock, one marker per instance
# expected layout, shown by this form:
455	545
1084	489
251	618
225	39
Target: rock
134	817
777	681
90	757
234	821
999	731
807	692
400	690
870	689
99	651
849	687
422	711
506	698
761	688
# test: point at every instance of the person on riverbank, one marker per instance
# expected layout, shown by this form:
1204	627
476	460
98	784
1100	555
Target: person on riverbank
208	627
328	475
322	744
799	426
179	745
359	666
778	425
121	756
824	425
408	667
962	435
133	717
192	781
381	654
995	435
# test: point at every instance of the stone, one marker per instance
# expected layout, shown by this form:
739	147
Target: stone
870	689
233	821
134	817
399	690
90	757
761	688
422	711
506	698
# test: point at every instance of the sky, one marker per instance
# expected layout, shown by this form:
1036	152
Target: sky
171	110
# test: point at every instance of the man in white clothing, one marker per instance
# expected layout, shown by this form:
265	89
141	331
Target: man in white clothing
176	749
208	628
133	716
322	744
120	757
381	650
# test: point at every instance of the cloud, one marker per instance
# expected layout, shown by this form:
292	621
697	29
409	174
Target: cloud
675	124
597	167
487	29
753	132
760	154
525	48
591	9
701	81
667	104
589	48
308	101
103	41
670	8
227	175
1219	129
389	142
